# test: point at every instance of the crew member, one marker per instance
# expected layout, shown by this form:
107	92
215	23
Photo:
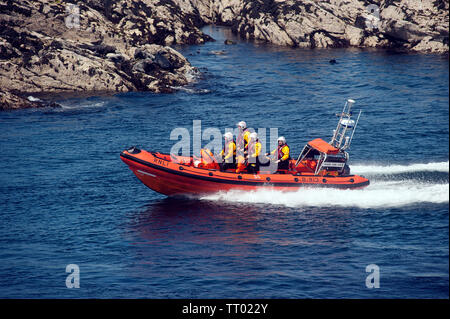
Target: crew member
254	149
228	152
281	155
241	145
242	137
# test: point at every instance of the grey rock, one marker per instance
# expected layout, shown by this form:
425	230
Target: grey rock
144	66
121	45
115	57
163	62
411	25
108	51
142	54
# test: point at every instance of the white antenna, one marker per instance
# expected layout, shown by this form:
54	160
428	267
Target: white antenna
340	138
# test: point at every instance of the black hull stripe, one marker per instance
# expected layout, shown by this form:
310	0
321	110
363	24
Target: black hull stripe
240	182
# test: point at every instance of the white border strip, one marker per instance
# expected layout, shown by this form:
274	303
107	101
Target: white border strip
145	173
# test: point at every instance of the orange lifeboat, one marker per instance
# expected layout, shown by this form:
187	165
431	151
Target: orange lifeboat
320	164
177	175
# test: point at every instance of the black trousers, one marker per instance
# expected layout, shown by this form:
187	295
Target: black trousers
224	166
284	165
253	168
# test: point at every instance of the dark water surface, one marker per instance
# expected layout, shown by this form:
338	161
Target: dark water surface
66	197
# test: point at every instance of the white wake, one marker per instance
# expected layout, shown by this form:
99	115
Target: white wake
80	106
378	194
398	169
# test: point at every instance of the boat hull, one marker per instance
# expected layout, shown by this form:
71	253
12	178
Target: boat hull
169	178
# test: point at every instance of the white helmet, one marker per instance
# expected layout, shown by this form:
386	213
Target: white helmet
242	125
253	136
282	139
228	136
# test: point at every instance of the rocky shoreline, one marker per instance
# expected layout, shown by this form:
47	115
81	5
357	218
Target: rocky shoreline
407	25
56	46
115	46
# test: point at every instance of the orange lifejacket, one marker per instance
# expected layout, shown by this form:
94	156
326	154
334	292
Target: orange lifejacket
310	163
281	151
208	160
240	164
206	155
306	165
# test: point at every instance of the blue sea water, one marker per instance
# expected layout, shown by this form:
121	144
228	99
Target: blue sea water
67	198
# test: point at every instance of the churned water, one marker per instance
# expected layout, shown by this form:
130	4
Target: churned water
66	197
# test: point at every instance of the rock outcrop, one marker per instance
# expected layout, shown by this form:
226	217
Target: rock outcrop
123	45
114	46
411	25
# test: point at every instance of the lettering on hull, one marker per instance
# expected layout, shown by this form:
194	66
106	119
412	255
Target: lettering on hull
160	162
